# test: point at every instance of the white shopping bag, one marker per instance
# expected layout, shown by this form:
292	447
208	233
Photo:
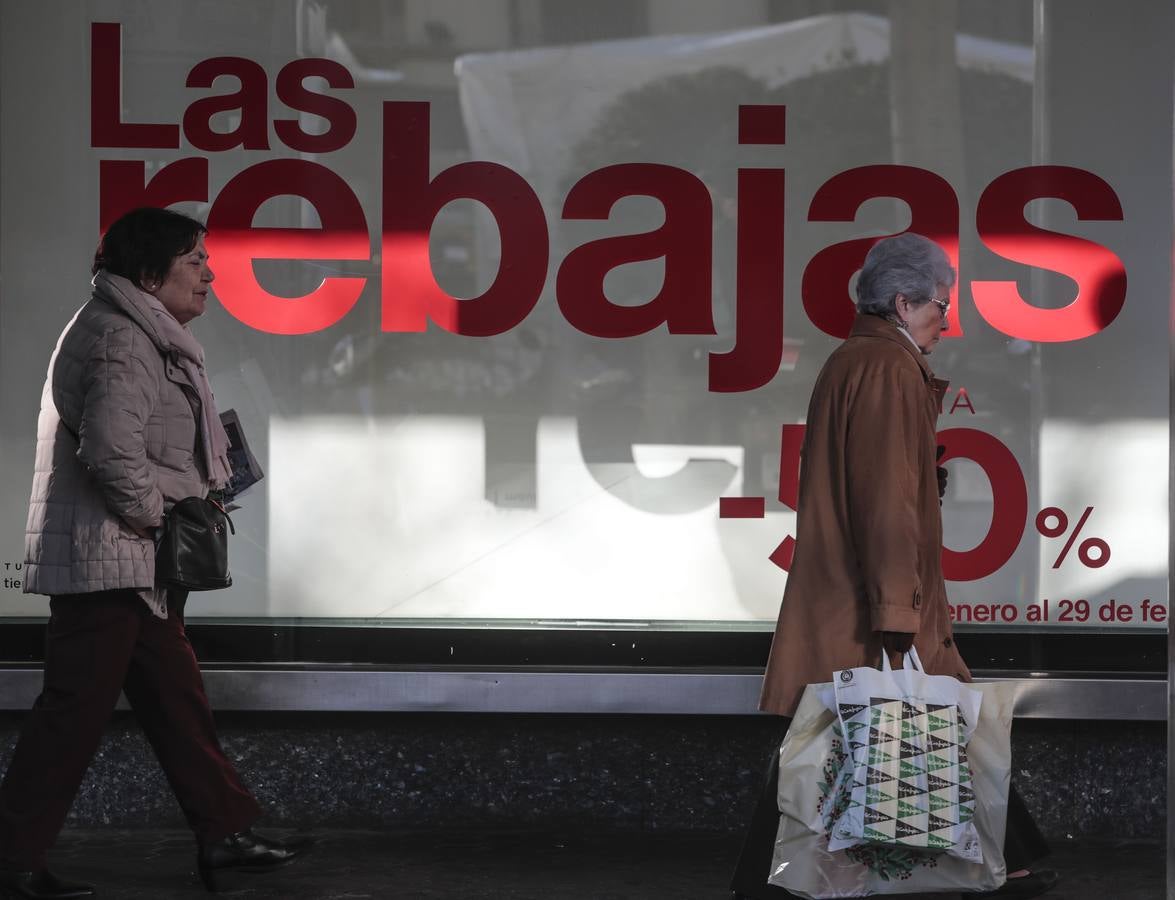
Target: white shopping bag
908	780
811	760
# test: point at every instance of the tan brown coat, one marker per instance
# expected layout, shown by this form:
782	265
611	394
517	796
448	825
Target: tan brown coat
868	555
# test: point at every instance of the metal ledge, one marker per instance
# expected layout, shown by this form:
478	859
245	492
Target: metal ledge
584	691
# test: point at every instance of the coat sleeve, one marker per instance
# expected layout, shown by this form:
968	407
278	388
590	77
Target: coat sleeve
883	460
119	393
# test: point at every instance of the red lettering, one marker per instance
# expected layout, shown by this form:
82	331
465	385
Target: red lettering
121	186
762	123
1009	511
234	244
934	212
339	116
791	444
253	131
410	294
758	342
1099	273
982	612
684	240
106	126
962	399
758	345
411	200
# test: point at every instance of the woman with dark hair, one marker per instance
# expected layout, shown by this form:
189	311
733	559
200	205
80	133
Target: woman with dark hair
128	426
866	576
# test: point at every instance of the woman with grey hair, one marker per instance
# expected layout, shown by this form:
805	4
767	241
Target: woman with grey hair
906	280
866	576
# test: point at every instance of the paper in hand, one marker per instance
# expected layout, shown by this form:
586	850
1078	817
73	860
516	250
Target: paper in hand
246	470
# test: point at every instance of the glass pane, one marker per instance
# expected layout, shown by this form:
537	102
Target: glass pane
517	299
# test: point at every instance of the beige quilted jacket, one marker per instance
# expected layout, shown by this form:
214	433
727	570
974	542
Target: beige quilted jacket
116	446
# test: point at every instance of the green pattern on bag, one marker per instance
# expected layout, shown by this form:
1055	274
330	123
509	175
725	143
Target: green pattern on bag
938	724
877	756
873	795
890	863
917	793
909	770
934	763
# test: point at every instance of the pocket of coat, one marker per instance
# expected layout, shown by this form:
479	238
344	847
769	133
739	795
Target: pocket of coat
123	532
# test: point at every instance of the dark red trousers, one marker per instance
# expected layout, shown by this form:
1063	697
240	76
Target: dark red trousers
97	646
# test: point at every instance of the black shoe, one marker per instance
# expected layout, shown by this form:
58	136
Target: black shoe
41	885
1033	884
246	851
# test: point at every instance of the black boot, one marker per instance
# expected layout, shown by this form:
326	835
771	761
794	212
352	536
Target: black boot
41	885
246	851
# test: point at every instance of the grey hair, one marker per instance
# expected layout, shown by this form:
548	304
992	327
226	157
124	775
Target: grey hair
907	264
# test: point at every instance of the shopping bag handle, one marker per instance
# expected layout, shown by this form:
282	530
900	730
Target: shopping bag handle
911	662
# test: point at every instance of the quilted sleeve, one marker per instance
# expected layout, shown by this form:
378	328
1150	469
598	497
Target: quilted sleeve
119	392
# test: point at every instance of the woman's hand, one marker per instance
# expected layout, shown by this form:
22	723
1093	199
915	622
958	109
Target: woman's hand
897	641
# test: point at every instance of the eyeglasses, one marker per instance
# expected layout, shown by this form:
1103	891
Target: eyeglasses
944	306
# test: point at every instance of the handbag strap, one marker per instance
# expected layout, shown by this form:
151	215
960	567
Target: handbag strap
213	503
232	528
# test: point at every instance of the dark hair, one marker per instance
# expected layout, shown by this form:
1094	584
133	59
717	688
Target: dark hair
142	244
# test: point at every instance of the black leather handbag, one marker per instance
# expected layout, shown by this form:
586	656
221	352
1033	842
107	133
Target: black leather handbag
193	552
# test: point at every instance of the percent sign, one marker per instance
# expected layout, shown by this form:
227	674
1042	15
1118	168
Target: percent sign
1061	526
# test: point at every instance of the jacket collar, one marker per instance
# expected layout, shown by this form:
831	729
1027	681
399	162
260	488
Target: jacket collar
876	327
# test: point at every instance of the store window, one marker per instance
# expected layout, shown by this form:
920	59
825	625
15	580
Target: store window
450	441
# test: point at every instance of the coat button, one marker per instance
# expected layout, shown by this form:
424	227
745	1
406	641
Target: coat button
917	599
947	642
